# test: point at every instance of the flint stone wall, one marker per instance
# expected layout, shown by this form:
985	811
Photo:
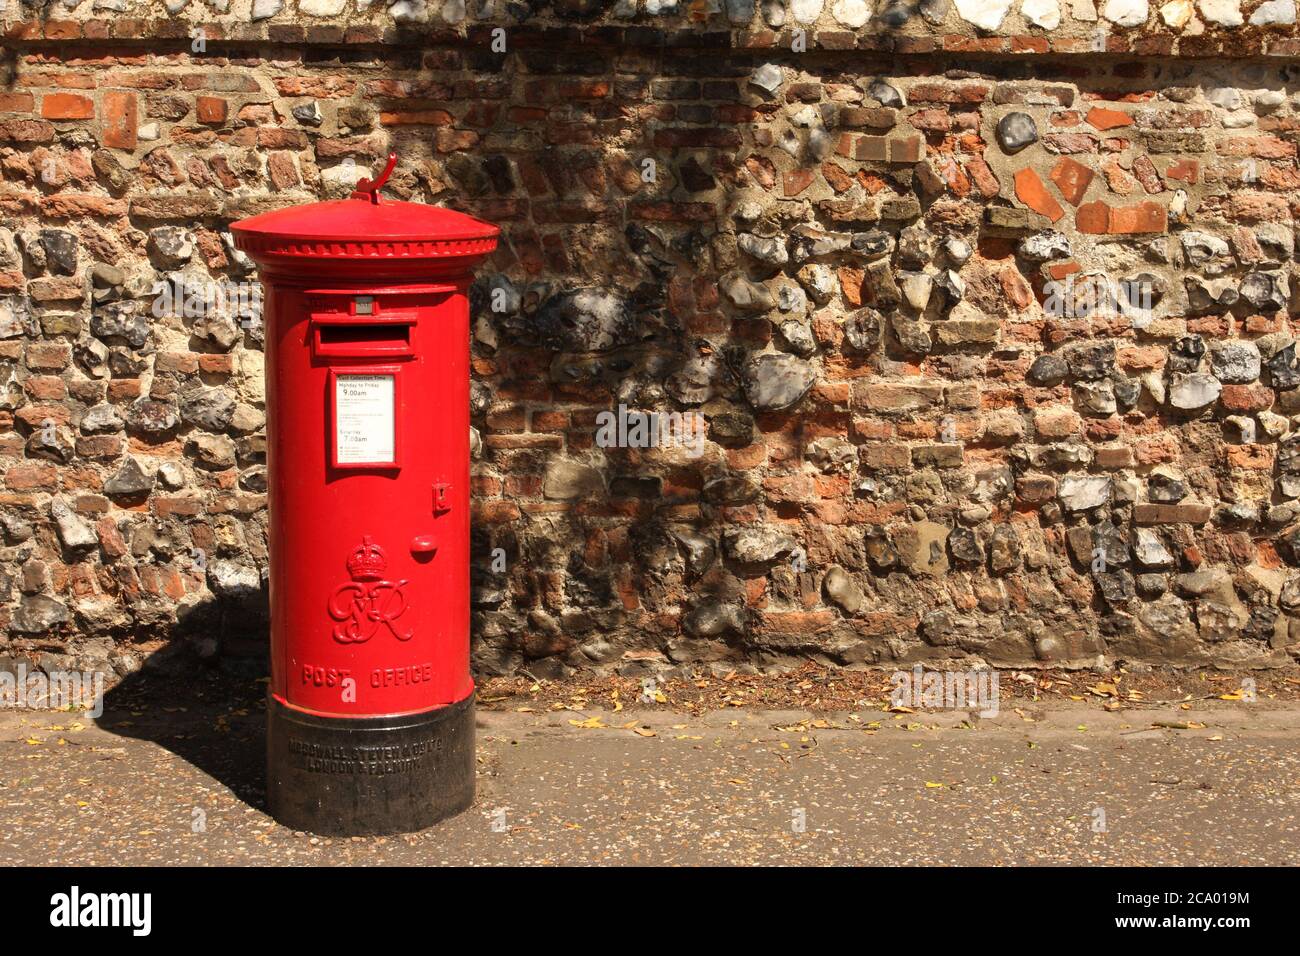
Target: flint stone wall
854	237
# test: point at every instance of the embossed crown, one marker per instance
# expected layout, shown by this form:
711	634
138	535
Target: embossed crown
367	561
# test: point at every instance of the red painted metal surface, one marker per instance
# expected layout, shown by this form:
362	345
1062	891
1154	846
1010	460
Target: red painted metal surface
367	381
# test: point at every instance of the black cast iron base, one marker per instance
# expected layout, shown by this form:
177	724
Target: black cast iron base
368	776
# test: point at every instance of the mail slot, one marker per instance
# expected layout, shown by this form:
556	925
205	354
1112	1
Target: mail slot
370	705
333	340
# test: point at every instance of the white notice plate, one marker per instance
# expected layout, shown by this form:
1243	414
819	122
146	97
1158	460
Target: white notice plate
364	417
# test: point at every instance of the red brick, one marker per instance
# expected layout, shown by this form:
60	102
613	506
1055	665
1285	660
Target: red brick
26	131
1246	398
1146	173
16	102
1031	191
48	356
416	118
796	181
211	110
944	93
908	149
1093	218
121	120
1103	119
1072	179
110	539
67	106
984	178
1144	217
32	477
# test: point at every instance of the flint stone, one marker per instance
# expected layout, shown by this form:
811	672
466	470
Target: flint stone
1271	12
1263	291
862	329
1096	397
60	251
799	338
233	581
1282	370
1149	551
776	381
740	11
713	618
745	294
1048	369
75	533
987	15
872	244
791	298
915	246
1226	13
1126	13
1194	391
171	246
1083	492
214	452
842	590
806	11
964	546
1185	354
1015	131
817	281
308	114
732	429
896	13
814	244
584	320
916	288
1235	362
881	553
757	546
699	550
123	320
1044	246
771	251
1116	587
38	613
1201	247
767	78
1092	361
151	416
951	285
130	479
1127	390
731	490
693	383
1004	549
208	408
886	94
832	455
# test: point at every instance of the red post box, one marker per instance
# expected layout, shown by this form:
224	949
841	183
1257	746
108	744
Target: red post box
370	709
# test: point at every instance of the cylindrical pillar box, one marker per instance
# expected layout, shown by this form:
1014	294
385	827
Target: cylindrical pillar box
370	708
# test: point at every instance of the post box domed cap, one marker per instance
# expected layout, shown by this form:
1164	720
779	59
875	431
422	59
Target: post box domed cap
361	228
